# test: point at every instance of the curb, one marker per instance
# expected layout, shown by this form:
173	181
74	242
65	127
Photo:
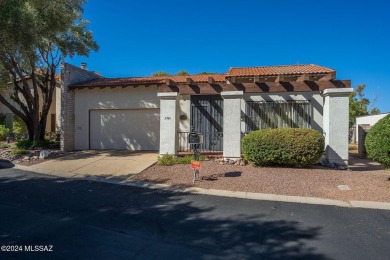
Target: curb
252	195
227	193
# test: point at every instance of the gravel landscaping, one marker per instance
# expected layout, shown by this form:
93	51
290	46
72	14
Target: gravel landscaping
30	158
367	180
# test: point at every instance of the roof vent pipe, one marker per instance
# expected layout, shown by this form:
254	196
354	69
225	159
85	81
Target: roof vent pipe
83	65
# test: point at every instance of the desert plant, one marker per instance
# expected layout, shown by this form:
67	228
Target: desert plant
286	147
378	142
3	132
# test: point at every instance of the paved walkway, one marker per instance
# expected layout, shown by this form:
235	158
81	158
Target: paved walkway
118	165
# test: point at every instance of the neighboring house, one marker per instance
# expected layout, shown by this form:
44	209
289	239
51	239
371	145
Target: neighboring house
157	113
52	118
367	121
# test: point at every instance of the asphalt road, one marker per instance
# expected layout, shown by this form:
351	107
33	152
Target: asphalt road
90	220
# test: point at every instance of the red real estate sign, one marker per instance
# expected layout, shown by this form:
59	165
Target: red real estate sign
195	165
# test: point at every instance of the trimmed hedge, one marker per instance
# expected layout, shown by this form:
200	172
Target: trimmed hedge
378	142
285	147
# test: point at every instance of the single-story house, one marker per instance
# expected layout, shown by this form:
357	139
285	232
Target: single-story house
157	113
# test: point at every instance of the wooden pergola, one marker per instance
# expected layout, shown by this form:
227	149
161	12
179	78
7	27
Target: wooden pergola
257	84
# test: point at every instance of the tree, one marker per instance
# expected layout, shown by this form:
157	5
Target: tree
182	73
160	74
359	105
35	37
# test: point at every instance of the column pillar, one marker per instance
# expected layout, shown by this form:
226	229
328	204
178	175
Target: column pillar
232	124
168	122
336	124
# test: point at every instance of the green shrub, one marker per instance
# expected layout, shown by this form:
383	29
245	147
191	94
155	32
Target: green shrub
27	144
24	144
378	142
42	144
168	159
19	152
19	128
3	132
285	147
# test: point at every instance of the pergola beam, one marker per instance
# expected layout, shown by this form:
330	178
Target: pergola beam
170	82
303	77
190	82
232	80
329	76
211	80
279	78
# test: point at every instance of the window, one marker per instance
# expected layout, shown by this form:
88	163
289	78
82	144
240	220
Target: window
277	114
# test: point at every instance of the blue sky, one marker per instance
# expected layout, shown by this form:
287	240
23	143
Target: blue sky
137	38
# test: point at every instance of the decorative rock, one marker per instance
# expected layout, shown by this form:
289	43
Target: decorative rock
324	162
35	158
44	154
26	158
341	168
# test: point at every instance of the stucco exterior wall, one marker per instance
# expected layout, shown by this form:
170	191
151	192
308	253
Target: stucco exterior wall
70	75
108	98
368	120
315	98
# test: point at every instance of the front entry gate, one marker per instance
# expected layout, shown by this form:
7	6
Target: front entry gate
207	118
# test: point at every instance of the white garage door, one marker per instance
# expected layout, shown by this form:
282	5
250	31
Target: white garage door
133	129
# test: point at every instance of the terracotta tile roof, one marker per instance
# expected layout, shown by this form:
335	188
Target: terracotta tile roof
275	70
249	71
108	82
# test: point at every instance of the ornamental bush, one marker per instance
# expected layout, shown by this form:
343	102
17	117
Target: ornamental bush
378	142
285	147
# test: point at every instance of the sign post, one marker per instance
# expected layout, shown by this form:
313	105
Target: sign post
195	139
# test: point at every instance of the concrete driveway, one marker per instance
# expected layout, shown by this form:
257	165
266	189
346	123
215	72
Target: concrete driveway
119	165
